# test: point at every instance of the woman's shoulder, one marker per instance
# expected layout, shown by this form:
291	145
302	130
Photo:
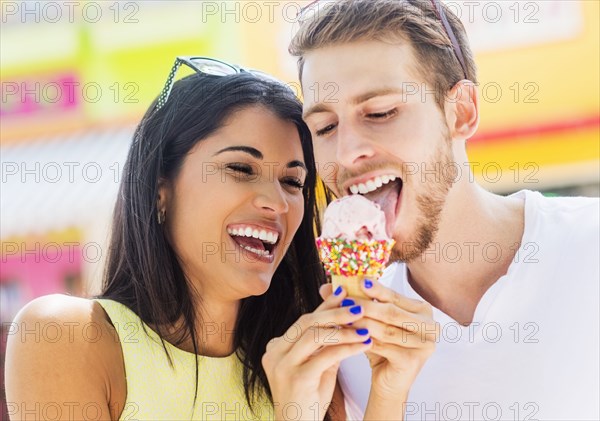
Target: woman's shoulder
58	317
56	306
63	326
59	345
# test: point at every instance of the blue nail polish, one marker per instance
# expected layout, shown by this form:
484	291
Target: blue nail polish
338	291
368	283
347	302
367	342
362	332
356	310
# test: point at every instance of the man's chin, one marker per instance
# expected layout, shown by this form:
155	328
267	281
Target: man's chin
408	248
405	252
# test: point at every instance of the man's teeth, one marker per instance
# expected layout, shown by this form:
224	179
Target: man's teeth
371	185
269	237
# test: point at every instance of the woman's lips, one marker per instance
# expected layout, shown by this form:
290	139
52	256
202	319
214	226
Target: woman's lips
254	249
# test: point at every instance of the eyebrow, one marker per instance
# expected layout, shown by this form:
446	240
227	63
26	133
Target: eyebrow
322	107
258	155
297	163
248	149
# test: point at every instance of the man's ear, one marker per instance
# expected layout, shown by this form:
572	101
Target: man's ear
462	110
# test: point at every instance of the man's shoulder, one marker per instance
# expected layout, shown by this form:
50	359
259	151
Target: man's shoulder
567	212
569	204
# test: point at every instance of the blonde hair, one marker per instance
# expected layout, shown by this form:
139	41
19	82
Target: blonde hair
413	21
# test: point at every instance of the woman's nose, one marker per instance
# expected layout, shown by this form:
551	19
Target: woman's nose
271	197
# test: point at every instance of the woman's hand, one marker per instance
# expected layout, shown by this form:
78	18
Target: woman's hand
302	365
404	335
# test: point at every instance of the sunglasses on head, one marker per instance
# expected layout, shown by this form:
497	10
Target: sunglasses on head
207	66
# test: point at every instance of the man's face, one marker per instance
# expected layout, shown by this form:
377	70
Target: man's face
373	118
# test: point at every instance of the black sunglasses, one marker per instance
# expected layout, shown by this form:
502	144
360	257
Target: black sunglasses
208	66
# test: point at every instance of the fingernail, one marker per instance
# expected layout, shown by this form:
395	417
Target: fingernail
338	291
347	302
356	309
367	342
362	332
368	283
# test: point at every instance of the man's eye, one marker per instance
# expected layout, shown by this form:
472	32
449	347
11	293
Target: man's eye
384	114
325	130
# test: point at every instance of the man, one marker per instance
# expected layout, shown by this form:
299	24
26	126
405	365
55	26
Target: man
390	91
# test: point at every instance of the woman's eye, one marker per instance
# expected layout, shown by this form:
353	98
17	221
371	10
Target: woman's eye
294	182
241	168
383	115
325	130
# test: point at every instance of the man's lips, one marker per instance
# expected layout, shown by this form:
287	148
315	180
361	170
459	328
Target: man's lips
382	187
368	182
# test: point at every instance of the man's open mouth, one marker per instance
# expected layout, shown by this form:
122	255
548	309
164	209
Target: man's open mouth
385	190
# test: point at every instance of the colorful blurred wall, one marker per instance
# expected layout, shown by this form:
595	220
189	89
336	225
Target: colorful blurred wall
76	77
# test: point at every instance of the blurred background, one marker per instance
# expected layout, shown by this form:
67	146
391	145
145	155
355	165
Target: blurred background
77	76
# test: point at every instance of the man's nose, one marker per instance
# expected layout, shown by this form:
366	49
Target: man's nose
353	147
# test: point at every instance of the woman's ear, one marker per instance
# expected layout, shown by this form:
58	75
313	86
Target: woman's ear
462	110
163	195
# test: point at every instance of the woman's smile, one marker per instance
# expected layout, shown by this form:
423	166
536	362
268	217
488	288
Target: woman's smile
260	239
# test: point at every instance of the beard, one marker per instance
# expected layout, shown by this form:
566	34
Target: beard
430	204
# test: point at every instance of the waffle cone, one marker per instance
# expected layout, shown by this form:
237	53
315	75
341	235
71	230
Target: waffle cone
352	284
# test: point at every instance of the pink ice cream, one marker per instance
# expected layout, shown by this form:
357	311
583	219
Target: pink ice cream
354	218
354	242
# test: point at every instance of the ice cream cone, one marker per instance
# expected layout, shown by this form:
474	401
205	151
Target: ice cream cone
354	245
351	284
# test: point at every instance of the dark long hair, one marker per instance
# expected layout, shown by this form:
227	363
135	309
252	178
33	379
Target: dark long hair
142	270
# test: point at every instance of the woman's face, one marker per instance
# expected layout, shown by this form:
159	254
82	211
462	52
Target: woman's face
236	204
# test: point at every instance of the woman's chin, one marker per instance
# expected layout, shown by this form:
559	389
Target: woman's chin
258	285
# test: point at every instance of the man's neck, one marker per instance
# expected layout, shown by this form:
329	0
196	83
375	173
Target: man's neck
479	234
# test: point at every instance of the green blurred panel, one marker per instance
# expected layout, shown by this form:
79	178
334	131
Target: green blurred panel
130	80
118	63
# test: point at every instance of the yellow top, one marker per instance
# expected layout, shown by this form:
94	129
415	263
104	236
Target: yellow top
157	391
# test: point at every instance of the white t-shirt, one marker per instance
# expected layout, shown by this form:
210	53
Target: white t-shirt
532	351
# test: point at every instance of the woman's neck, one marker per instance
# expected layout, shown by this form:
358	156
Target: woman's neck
215	322
215	325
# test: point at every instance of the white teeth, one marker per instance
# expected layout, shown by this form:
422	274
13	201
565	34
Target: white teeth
371	185
255	251
263	235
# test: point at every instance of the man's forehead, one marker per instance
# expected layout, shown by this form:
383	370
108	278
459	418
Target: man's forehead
350	72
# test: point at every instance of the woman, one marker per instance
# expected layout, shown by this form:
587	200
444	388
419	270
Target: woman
213	249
